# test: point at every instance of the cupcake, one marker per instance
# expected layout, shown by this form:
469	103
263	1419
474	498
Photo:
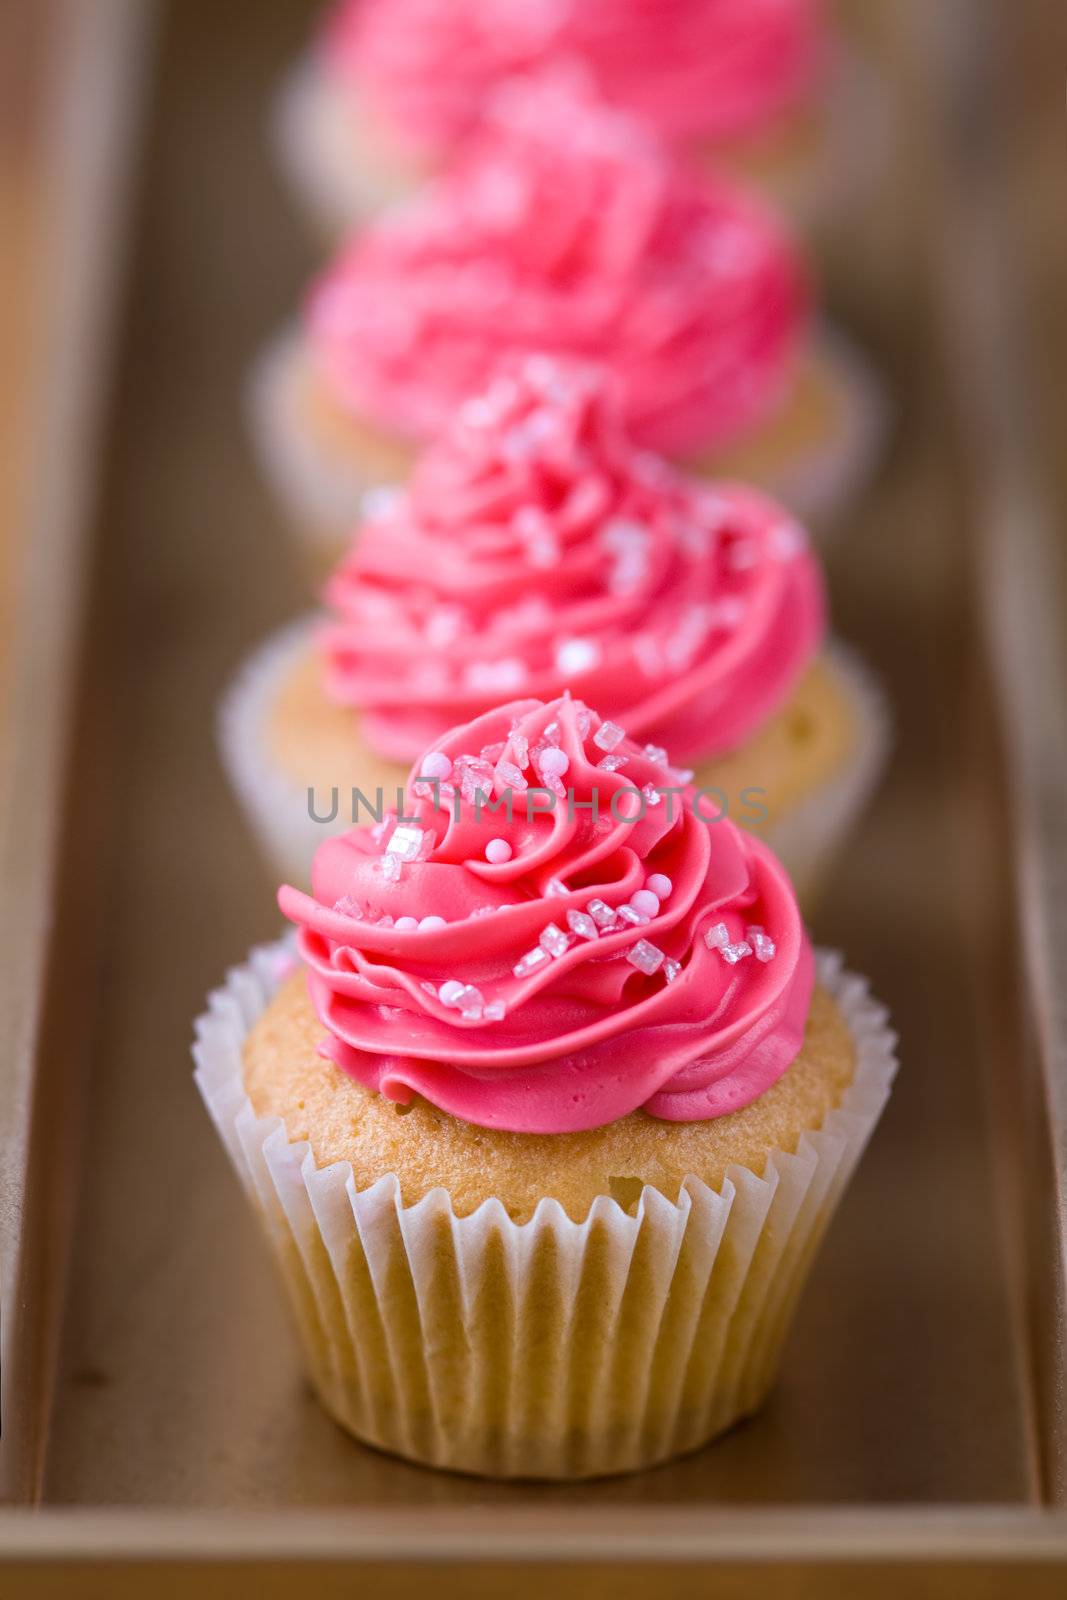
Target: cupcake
392	89
547	1122
537	550
566	226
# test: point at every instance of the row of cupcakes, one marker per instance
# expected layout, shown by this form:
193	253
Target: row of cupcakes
547	1102
565	225
766	90
537	550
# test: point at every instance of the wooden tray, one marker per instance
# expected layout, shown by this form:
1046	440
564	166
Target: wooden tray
148	1440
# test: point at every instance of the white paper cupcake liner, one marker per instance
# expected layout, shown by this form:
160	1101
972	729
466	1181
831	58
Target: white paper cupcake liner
338	184
852	152
549	1348
277	809
805	838
321	491
808	836
822	485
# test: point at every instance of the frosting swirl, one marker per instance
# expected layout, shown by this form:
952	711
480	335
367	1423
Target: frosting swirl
713	69
555	969
537	550
566	228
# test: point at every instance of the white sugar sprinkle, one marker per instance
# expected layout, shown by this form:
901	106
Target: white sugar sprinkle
554	940
645	957
717	937
582	924
601	913
530	962
608	735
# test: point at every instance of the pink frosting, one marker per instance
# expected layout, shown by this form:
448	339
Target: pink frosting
537	550
710	69
532	1001
567	228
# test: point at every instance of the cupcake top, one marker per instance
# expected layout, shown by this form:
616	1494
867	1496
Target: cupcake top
536	550
707	69
589	946
566	227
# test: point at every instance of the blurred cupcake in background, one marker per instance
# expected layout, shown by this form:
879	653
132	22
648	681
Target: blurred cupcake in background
567	227
538	551
391	89
546	1126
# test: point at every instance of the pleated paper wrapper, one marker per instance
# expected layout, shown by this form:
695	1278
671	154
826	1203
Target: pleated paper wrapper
552	1348
805	838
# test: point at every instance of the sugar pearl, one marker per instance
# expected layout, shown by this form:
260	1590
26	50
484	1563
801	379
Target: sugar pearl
435	765
449	992
498	851
406	922
646	901
659	884
553	763
426	923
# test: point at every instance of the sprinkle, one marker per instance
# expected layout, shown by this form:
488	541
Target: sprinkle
349	907
601	913
494	1011
492	752
576	655
449	992
497	851
436	765
381	501
443	627
645	957
405	924
718	937
427	923
763	948
390	866
530	962
556	886
611	763
656	753
733	953
787	540
608	735
646	902
520	749
510	776
681	774
652	794
581	924
495	676
671	969
554	940
659	884
630	914
469	1001
409	843
475	776
553	763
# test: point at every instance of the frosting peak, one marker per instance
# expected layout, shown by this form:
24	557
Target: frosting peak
537	550
710	69
566	227
587	947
